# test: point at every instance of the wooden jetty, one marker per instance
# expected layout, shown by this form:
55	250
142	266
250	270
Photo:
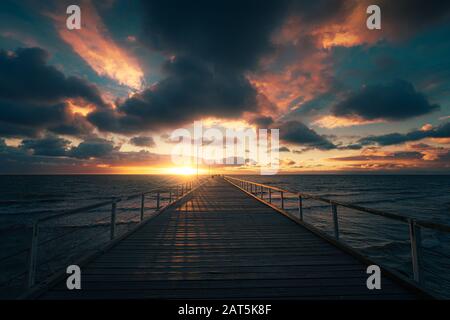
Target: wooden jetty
222	242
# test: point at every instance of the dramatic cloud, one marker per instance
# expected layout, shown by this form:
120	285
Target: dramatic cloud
49	146
190	91
393	156
52	155
142	141
54	146
284	149
394	101
424	157
23	119
35	97
93	148
25	76
225	34
262	121
443	131
297	133
211	46
93	43
265	64
403	18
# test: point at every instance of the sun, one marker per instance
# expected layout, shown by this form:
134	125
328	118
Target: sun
182	171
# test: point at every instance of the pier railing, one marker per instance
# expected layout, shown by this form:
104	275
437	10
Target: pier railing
58	239
279	197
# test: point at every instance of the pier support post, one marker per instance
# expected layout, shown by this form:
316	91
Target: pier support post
335	221
170	196
300	207
113	220
142	206
415	239
33	255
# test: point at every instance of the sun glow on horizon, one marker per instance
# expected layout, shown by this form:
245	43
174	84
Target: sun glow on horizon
181	171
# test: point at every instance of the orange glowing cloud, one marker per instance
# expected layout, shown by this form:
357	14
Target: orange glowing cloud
307	79
350	32
93	44
332	122
80	107
308	47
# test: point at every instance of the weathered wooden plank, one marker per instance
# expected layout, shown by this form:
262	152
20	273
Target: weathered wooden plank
142	284
231	293
222	243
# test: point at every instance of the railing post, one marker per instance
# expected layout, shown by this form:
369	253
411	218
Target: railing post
270	195
415	238
282	199
113	220
335	221
33	255
170	195
182	189
142	206
157	200
300	207
262	192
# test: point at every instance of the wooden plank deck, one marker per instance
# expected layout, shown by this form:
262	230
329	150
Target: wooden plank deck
222	243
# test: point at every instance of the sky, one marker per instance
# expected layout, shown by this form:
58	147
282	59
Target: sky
106	98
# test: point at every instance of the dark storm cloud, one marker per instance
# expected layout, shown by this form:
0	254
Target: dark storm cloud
321	11
407	16
54	146
226	34
298	133
92	148
191	90
442	131
27	119
32	96
262	121
397	100
142	141
284	149
51	145
25	76
214	44
50	155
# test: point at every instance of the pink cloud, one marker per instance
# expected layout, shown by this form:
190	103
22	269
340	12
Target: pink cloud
95	46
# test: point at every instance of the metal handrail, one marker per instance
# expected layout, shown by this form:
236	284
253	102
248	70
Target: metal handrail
175	191
414	224
109	202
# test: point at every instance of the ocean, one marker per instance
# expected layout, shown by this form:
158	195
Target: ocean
425	197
